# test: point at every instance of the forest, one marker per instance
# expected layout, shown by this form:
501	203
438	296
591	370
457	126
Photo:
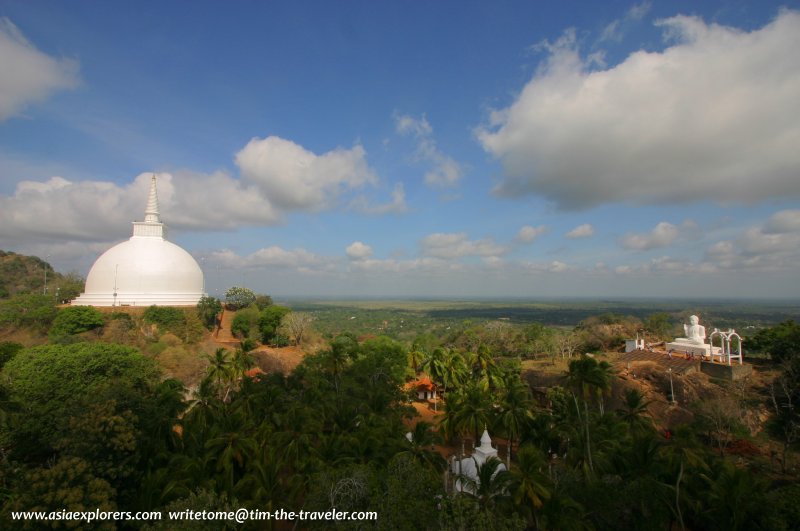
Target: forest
141	410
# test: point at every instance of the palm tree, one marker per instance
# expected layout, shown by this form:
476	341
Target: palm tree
455	369
515	412
483	365
416	358
232	451
634	412
529	485
588	377
220	369
491	485
435	366
735	498
472	410
422	443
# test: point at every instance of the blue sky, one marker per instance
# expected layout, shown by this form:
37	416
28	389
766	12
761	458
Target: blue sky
437	149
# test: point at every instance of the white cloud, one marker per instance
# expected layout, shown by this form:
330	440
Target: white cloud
358	251
712	117
444	172
425	265
456	245
28	74
296	179
396	206
661	236
59	209
273	256
555	266
616	29
581	231
772	246
783	222
527	233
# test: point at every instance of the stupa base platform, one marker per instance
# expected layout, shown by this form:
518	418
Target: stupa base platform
138	299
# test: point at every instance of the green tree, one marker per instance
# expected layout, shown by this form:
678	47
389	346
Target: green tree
529	485
659	325
245	323
28	311
237	298
781	342
167	318
269	321
634	411
75	320
69	485
515	411
8	349
208	308
53	383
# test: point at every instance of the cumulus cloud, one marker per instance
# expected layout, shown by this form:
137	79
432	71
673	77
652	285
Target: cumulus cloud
661	236
294	178
555	266
783	222
773	245
426	265
358	251
444	171
457	245
713	116
617	29
59	209
28	74
396	206
581	231
527	233
273	256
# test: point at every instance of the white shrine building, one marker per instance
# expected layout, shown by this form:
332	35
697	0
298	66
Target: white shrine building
145	270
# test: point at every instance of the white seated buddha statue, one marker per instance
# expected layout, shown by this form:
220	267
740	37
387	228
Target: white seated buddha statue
695	332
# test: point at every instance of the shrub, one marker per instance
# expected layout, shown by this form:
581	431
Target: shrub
207	310
75	320
165	317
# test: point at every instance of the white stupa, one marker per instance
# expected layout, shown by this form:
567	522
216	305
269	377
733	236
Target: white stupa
145	270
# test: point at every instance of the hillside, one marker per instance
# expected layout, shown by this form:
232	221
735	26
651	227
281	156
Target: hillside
27	274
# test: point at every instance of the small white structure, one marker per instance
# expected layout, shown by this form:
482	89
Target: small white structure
725	337
145	270
469	466
634	344
694	344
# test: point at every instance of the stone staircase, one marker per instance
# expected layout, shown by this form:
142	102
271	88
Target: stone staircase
223	334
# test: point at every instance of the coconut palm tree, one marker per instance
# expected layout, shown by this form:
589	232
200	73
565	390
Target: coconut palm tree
515	411
472	410
634	412
491	486
220	370
421	446
529	484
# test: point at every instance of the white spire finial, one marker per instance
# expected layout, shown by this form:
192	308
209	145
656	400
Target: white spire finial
151	211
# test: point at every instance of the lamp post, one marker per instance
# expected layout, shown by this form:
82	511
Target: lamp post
44	289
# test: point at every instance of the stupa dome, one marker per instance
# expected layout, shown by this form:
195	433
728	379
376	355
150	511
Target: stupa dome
145	270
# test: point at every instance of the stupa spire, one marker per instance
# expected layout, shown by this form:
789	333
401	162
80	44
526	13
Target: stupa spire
151	227
151	211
